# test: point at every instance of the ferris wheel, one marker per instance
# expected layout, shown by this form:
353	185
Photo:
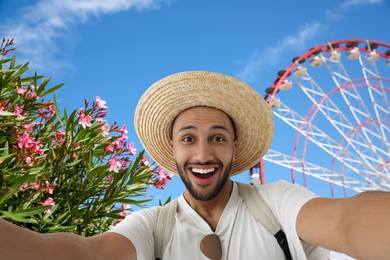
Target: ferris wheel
332	112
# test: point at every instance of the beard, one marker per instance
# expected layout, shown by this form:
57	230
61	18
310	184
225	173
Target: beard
199	195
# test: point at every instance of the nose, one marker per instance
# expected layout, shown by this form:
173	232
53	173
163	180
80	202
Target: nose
204	151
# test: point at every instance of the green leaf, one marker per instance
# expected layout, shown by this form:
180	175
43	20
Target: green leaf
17	218
6	113
57	110
17	182
166	202
137	161
51	90
131	201
109	215
31	211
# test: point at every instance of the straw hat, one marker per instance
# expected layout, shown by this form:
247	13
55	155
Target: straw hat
168	97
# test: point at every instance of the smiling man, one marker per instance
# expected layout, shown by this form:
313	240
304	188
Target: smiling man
203	141
207	127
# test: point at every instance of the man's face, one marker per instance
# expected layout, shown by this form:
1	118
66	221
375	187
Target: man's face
204	148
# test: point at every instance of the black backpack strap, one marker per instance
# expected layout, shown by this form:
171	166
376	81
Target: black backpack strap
282	240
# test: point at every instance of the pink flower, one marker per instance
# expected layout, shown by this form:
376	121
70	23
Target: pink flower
123	132
48	202
85	120
126	211
28	160
124	162
42	113
25	140
105	128
31	95
163	179
100	103
102	113
110	179
49	187
21	90
109	148
126	206
59	137
37	185
24	186
114	164
4	105
60	134
38	147
145	161
28	146
19	112
52	110
46	114
29	127
119	220
81	111
120	141
131	148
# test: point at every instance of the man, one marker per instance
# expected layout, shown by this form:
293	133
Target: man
207	127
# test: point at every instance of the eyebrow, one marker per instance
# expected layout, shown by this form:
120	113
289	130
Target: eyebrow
213	127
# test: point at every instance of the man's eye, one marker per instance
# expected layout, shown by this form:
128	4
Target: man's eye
187	139
218	139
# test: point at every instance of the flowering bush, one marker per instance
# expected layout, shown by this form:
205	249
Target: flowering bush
72	172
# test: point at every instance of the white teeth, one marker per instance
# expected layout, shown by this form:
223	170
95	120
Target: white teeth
203	171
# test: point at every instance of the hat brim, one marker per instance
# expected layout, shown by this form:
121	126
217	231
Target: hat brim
168	97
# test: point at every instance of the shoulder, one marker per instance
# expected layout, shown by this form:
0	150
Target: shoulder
286	200
141	221
138	228
284	191
148	215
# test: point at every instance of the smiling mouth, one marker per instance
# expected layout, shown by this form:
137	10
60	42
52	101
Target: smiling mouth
203	173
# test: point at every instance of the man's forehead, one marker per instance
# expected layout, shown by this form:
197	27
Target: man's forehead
202	112
198	110
205	108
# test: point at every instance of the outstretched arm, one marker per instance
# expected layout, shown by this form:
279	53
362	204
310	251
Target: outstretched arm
358	226
20	243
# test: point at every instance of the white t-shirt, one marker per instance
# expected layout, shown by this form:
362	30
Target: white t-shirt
242	237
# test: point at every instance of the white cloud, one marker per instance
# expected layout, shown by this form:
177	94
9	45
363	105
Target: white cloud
263	58
335	15
338	12
352	3
38	26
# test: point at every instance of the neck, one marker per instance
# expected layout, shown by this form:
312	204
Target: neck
211	210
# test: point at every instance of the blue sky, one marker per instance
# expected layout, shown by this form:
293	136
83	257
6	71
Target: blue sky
116	49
